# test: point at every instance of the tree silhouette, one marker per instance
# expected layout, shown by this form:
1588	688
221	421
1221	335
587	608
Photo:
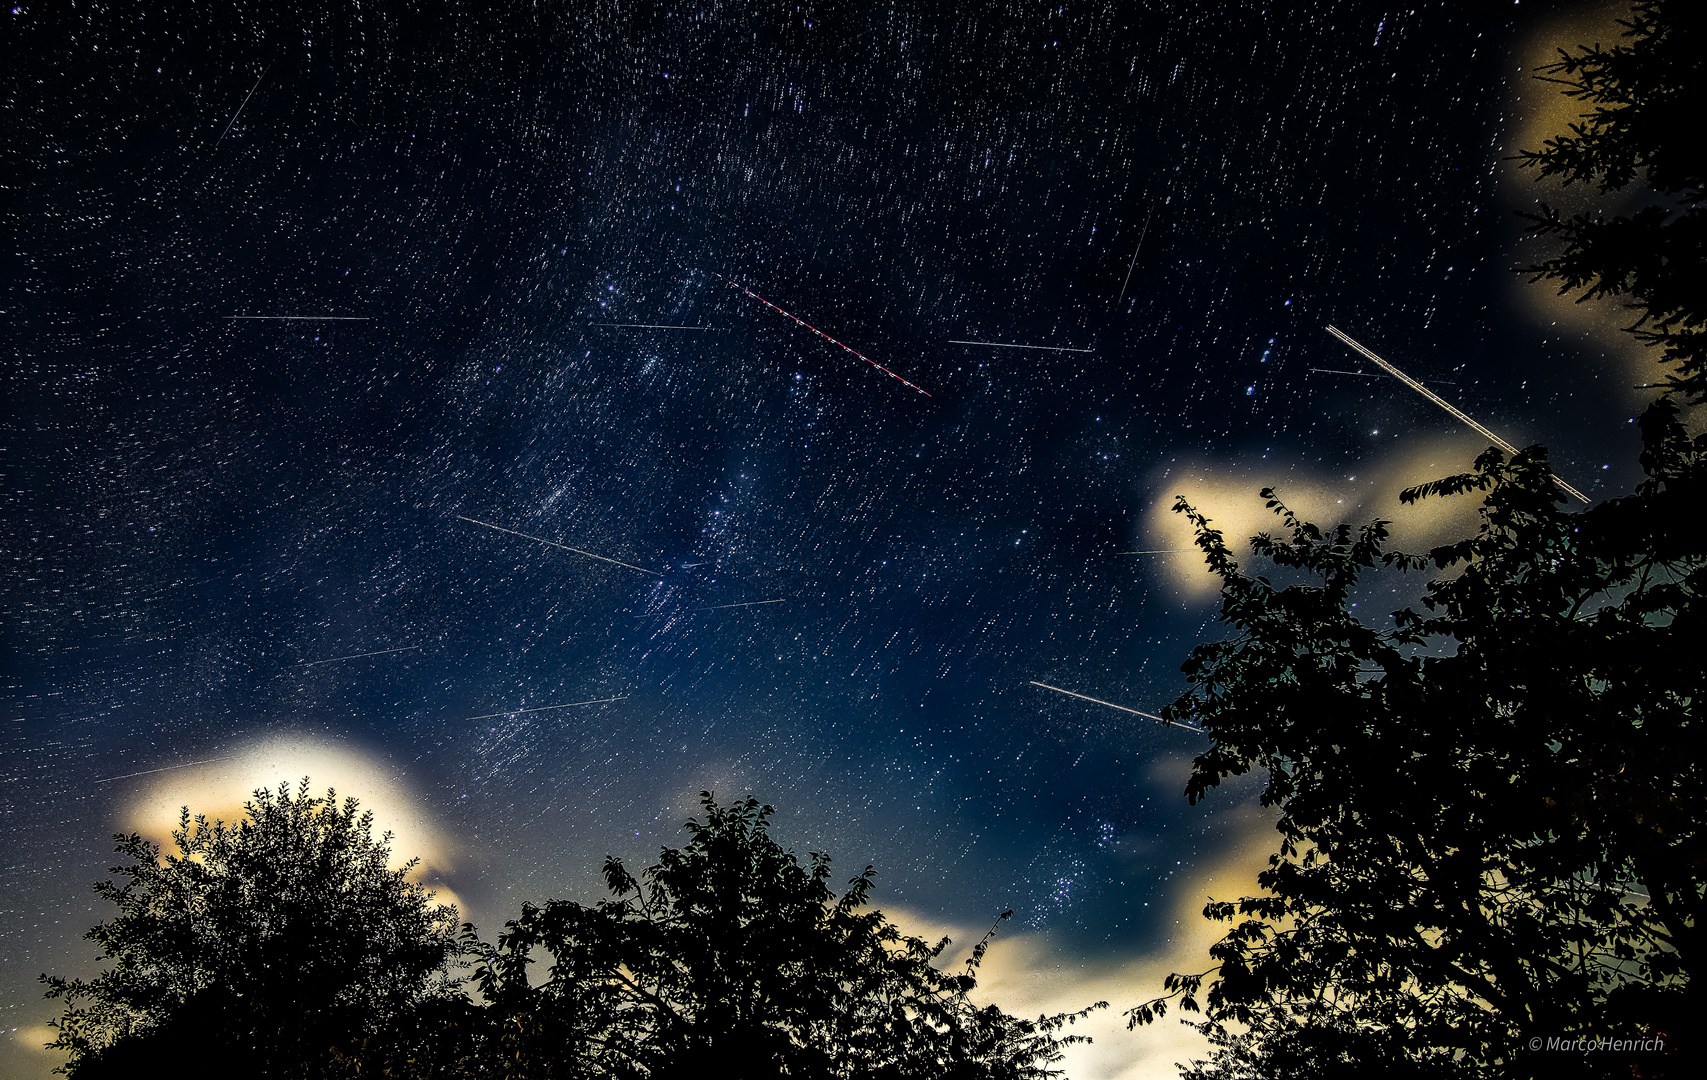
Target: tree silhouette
1645	102
1491	811
258	949
730	953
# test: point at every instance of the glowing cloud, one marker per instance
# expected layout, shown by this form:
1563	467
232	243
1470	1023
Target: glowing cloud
1027	976
1226	492
219	789
1541	111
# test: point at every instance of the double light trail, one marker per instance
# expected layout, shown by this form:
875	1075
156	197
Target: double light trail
830	339
1443	403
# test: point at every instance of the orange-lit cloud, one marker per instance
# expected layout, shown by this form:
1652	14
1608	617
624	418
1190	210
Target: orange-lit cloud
1226	492
218	789
29	1048
1540	111
1027	976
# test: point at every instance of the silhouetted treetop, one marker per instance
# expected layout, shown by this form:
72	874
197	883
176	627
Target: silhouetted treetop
1491	811
1644	99
258	947
730	952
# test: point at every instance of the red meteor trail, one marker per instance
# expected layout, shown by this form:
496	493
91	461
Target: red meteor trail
828	338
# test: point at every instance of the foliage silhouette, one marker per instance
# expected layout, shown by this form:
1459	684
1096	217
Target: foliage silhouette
1645	102
1491	811
258	949
729	952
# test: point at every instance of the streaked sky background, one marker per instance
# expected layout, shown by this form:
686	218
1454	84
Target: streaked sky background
206	518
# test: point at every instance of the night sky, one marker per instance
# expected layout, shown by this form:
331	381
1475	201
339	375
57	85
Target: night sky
838	589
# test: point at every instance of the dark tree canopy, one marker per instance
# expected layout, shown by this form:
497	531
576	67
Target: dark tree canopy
285	947
730	952
262	948
1491	810
1645	100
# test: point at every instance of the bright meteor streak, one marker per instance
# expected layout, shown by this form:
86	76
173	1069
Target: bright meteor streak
553	543
355	656
243	106
1367	374
750	603
169	768
1152	551
828	338
547	708
657	326
1003	345
307	318
1443	403
1142	233
1122	708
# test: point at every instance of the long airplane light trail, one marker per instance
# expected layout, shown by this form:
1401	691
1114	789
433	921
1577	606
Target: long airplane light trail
1004	345
1122	708
307	318
553	543
1443	403
547	708
830	339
